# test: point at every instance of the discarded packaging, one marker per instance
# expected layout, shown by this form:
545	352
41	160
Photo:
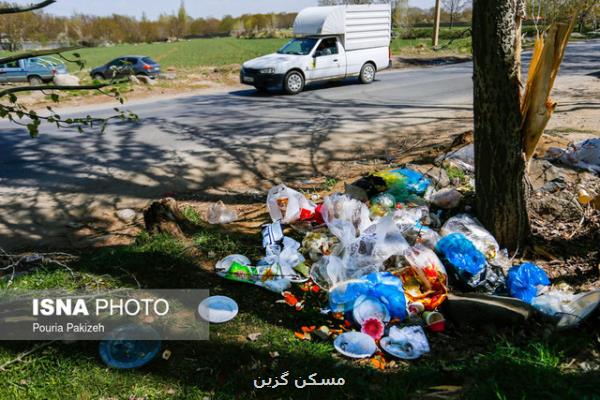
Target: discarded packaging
425	279
469	265
366	307
475	232
447	199
584	155
118	352
355	345
219	214
407	343
525	281
373	327
218	309
570	309
434	321
463	158
288	206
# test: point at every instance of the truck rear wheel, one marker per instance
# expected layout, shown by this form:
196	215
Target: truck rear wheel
367	73
293	83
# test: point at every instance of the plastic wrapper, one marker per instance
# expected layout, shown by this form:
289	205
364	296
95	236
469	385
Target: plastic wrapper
446	198
523	282
340	207
475	232
468	265
405	185
219	214
425	279
288	205
268	277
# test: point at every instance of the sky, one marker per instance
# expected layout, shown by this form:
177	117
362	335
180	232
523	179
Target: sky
195	8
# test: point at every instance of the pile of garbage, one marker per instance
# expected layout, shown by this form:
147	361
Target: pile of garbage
388	252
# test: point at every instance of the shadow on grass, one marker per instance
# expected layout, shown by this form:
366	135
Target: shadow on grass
506	364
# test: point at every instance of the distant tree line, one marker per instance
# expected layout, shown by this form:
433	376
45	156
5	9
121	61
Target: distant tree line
94	30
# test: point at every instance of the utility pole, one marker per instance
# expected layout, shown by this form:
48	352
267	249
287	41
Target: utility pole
436	23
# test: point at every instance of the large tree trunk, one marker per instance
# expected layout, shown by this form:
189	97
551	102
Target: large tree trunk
499	161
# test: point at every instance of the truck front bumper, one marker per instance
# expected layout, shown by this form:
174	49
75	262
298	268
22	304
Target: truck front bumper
255	78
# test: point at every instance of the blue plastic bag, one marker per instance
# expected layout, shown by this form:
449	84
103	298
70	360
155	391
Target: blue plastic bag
462	254
415	181
383	286
469	266
523	281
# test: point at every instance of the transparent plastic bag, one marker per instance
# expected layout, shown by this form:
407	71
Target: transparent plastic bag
330	271
425	280
377	244
340	207
463	158
288	205
219	214
475	232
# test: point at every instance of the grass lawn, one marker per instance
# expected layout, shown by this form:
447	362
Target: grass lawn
224	51
510	363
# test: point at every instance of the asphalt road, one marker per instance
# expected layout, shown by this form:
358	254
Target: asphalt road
238	140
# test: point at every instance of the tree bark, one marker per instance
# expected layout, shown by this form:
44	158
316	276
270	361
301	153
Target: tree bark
499	162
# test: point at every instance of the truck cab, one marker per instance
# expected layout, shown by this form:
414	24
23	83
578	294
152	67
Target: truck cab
333	43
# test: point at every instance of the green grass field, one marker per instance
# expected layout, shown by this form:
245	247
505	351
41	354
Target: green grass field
222	51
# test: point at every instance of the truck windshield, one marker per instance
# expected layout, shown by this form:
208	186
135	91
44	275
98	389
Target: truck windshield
300	47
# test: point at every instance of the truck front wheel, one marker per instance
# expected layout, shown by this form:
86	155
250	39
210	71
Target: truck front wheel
367	73
293	83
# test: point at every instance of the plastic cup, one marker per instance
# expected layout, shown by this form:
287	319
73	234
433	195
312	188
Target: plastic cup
435	321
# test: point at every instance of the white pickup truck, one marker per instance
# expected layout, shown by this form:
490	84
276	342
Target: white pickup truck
332	43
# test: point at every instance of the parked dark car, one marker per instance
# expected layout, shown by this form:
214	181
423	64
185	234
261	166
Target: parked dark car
127	65
35	70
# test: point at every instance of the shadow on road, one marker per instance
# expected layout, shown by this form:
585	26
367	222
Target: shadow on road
223	147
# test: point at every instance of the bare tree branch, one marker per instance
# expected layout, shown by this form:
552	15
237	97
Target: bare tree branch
22	9
37	53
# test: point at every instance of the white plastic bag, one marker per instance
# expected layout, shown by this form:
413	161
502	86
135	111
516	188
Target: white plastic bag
219	214
584	155
288	205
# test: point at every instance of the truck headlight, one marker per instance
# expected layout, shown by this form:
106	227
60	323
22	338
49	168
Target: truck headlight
267	71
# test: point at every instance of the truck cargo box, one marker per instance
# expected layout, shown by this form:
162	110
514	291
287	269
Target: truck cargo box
361	26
